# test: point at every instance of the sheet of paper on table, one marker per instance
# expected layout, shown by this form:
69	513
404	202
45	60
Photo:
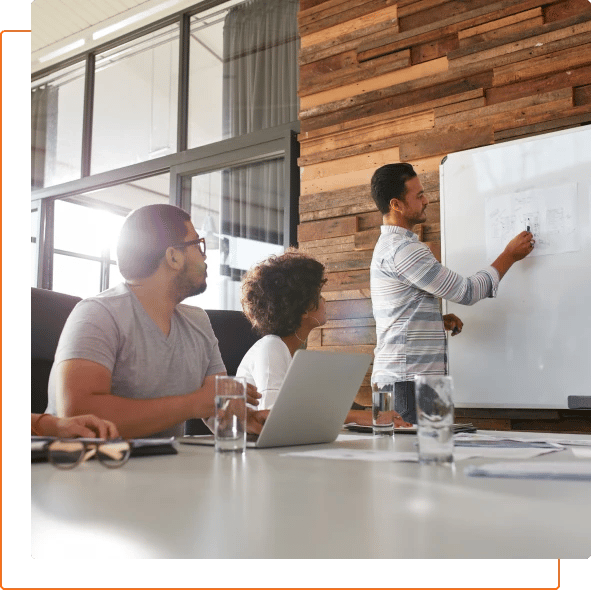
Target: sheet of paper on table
412	456
553	441
570	470
581	452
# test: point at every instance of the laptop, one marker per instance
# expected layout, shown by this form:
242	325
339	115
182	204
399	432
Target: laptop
313	402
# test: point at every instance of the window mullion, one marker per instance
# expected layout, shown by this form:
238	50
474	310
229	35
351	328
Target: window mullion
87	117
292	190
105	263
183	83
46	225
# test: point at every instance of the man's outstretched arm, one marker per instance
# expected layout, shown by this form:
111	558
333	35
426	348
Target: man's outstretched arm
84	387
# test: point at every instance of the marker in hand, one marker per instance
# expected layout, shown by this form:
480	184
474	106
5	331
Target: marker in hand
527	228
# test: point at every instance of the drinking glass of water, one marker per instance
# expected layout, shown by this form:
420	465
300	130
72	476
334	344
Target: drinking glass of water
382	395
230	414
435	414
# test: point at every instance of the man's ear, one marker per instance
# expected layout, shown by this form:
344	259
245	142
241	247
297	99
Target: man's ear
395	205
174	258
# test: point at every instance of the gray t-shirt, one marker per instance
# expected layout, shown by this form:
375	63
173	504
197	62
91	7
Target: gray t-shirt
114	330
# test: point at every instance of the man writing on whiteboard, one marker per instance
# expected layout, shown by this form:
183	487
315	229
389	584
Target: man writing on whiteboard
407	284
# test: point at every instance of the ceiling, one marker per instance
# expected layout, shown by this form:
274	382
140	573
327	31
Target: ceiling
62	28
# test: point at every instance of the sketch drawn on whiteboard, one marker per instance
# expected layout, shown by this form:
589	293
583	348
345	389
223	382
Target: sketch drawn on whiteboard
550	213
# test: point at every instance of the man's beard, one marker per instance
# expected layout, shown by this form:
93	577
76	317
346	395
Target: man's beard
197	290
185	288
421	218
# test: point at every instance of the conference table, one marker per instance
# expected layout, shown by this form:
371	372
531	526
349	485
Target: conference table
267	503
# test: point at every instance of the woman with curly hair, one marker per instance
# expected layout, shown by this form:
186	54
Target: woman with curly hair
281	297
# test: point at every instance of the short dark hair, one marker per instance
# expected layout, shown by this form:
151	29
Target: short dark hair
279	290
388	182
146	234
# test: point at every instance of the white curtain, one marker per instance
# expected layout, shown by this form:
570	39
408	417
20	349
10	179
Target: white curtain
44	104
260	91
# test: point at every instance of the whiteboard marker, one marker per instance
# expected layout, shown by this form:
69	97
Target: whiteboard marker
527	228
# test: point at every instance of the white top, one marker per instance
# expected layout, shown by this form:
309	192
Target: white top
265	366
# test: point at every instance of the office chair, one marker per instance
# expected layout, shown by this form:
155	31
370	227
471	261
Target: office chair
49	312
235	336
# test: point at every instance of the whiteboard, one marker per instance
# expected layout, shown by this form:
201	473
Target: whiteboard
531	346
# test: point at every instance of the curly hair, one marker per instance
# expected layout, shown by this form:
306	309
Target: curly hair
279	290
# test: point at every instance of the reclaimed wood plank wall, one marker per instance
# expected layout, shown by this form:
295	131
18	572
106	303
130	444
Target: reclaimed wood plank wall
386	81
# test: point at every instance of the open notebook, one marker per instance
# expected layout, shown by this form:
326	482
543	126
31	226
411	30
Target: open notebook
313	401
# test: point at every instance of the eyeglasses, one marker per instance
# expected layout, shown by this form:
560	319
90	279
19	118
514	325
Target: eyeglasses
200	242
67	453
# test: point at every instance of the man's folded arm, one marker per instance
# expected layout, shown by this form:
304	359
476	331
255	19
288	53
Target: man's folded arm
84	387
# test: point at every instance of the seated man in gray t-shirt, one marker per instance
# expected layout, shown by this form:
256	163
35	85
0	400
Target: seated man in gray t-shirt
133	354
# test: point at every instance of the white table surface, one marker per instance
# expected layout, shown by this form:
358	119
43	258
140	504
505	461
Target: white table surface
264	504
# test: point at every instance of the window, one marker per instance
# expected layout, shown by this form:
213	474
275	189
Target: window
135	101
57	105
198	110
244	71
86	229
34	232
76	275
240	213
206	72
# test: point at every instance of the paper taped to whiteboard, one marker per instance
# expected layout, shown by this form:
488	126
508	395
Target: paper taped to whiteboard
550	212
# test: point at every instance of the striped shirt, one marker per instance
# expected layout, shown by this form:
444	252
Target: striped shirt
407	283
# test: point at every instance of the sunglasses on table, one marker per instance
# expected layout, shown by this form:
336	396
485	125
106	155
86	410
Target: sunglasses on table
67	453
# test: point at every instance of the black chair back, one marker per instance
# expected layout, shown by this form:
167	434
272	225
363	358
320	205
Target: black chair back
49	312
235	336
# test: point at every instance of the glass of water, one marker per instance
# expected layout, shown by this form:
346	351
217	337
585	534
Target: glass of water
382	397
230	414
435	414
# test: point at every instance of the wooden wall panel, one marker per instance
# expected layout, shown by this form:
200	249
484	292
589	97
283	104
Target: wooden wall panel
342	18
411	80
383	44
562	10
475	34
399	76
